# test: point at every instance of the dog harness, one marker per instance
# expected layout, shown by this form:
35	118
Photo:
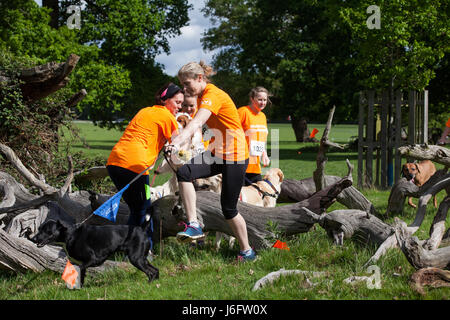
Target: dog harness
265	193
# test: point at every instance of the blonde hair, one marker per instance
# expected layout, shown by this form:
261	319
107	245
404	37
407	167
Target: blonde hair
257	90
193	69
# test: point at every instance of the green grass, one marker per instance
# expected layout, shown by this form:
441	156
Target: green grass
202	273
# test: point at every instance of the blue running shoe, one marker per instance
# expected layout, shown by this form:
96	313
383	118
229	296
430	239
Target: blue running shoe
250	255
190	233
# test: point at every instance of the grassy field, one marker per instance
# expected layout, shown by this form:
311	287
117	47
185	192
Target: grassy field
202	273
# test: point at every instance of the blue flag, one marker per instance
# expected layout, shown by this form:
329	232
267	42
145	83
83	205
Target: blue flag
109	208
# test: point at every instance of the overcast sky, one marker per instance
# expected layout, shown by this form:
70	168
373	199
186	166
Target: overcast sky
186	47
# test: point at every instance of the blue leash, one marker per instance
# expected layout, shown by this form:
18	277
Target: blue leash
110	207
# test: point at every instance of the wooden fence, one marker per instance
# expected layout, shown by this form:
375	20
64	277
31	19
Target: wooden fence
381	119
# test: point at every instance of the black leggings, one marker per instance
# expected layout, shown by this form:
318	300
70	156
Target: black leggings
206	165
135	196
251	178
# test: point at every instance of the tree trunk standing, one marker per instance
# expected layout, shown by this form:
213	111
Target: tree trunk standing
301	131
54	14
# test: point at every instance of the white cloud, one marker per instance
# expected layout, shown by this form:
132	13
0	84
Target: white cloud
187	47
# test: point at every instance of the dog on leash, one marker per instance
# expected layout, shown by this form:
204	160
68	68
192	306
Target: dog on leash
264	193
419	173
92	245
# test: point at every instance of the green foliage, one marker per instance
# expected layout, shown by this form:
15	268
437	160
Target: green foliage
108	85
316	54
117	43
412	39
31	129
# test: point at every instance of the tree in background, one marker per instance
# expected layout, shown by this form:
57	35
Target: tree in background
293	48
407	48
116	67
316	54
129	33
117	43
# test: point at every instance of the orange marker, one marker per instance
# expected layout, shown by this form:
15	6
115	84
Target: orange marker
313	133
280	245
70	275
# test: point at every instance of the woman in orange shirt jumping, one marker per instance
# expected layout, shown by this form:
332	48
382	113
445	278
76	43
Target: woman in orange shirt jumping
139	146
254	123
227	154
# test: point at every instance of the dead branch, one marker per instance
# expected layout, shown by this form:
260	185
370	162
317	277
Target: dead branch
434	153
319	175
41	81
418	256
433	277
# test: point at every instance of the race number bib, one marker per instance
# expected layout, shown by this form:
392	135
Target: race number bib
256	148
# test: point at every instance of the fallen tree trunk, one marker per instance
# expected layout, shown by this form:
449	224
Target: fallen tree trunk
22	218
347	224
288	219
299	190
434	153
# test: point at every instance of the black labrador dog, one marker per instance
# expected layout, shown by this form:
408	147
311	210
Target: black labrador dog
92	245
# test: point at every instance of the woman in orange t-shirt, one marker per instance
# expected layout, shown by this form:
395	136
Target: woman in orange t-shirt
254	123
227	154
139	146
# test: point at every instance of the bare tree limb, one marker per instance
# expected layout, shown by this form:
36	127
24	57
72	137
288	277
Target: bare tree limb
434	153
17	163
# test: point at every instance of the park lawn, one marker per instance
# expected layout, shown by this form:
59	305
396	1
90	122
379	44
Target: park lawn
193	273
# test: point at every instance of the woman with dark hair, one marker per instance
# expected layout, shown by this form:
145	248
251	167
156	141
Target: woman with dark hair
138	149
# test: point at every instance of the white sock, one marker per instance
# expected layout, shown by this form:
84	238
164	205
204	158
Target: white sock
194	224
246	252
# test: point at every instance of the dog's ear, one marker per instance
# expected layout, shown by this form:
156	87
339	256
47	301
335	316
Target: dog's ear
417	167
281	175
60	224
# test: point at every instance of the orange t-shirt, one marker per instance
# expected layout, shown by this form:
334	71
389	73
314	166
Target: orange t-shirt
143	139
229	139
448	123
255	128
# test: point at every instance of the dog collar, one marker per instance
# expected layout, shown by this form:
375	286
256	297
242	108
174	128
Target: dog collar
270	184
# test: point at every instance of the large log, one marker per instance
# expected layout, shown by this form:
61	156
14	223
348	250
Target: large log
289	219
435	153
357	224
24	219
299	190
